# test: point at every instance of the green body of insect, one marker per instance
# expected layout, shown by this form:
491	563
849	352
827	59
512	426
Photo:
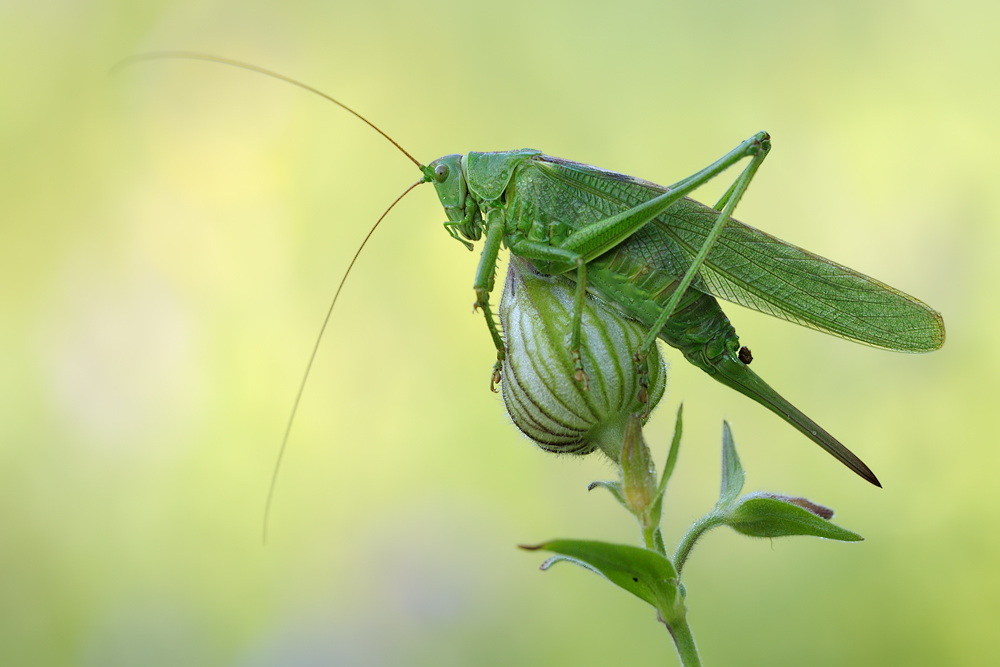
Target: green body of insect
640	247
636	245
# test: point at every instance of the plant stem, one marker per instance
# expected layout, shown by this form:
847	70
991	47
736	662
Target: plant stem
701	526
684	642
649	537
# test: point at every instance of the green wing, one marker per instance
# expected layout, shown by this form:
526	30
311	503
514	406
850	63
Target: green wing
757	270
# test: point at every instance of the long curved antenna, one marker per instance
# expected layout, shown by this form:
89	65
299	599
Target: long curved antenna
312	358
190	55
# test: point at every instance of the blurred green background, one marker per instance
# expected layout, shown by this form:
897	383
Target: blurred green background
171	237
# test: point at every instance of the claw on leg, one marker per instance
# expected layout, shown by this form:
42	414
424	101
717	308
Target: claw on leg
642	370
578	373
495	378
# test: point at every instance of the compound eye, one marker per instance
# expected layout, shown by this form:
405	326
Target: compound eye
441	172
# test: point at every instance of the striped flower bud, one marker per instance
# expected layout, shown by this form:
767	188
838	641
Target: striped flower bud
541	396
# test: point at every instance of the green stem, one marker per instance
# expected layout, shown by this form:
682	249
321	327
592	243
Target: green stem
649	537
684	642
658	544
701	526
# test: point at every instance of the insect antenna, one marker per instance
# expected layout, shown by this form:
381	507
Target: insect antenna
190	55
312	358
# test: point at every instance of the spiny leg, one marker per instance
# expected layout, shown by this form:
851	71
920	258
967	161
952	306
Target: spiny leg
575	331
759	151
485	278
596	239
542	252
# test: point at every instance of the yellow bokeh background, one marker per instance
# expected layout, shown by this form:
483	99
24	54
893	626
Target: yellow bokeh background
171	237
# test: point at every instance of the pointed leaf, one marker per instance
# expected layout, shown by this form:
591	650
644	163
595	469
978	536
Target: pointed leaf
675	446
656	510
615	488
658	541
766	515
732	470
643	573
806	504
639	486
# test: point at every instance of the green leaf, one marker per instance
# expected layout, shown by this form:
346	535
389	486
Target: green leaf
660	546
675	446
639	486
732	470
643	573
615	488
769	515
656	510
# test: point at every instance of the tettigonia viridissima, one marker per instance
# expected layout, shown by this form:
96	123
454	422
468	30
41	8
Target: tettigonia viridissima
655	255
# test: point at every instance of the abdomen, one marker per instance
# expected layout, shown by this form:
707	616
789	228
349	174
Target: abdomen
698	327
